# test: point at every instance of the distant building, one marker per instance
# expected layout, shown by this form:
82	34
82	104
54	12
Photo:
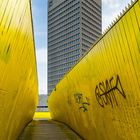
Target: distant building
73	25
42	104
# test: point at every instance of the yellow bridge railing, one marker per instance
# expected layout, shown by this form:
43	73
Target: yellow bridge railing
18	75
100	97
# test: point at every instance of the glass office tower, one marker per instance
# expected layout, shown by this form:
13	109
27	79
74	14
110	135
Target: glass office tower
73	26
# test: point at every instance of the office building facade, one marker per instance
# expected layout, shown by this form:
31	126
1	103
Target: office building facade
73	26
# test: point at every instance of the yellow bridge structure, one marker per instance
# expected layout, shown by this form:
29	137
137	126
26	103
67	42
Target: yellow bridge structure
99	98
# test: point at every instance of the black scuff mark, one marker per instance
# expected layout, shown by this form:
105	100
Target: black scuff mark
8	49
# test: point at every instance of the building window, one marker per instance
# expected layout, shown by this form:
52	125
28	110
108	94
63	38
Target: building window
50	3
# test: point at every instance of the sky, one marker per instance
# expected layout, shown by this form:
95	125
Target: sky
39	11
110	10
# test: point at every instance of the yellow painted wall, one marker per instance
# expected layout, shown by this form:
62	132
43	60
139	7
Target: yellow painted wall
42	115
100	97
18	75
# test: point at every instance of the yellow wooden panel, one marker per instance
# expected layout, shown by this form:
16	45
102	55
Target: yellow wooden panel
99	98
42	115
18	75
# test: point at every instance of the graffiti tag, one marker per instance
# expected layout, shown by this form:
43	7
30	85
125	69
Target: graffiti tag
105	91
83	102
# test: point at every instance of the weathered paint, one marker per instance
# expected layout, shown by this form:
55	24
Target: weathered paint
100	97
18	75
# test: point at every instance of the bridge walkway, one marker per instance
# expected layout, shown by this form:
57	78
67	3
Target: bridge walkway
43	129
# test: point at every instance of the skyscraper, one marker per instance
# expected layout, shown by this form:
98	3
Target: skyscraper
73	25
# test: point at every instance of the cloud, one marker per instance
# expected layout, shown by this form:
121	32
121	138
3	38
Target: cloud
107	19
41	55
111	9
112	3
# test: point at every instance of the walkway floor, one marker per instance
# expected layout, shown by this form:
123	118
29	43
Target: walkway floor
48	130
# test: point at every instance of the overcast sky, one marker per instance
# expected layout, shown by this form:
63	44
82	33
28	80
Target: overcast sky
110	10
